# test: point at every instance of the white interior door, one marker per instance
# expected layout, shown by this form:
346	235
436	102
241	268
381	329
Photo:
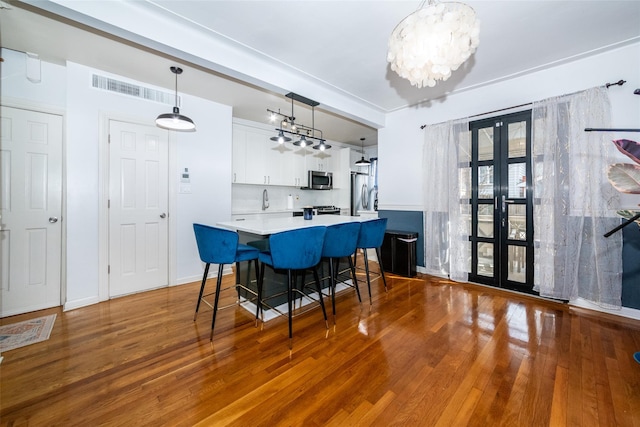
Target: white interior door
31	208
138	212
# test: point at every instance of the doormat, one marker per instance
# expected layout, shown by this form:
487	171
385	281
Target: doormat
27	332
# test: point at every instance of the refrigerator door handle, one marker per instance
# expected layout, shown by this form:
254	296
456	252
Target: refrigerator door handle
365	201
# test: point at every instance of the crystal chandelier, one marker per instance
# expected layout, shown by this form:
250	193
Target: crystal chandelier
433	41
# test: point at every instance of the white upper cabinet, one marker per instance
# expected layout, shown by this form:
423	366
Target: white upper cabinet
258	160
263	159
298	163
239	156
320	160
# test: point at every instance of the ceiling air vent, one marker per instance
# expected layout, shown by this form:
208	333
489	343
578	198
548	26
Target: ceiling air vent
124	88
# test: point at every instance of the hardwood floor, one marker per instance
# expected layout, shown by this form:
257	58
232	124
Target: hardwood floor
428	353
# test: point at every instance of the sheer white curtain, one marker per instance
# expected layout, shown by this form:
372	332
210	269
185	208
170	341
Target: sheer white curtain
446	158
574	204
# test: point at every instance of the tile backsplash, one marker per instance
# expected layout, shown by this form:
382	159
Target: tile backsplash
247	198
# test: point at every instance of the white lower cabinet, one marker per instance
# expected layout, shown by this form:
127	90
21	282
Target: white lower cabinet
265	214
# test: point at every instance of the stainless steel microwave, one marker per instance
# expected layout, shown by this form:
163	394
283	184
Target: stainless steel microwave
319	180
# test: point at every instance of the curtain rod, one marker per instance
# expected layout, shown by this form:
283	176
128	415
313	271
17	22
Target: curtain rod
607	85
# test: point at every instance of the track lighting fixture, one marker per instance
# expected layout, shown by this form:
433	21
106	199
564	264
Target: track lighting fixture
288	125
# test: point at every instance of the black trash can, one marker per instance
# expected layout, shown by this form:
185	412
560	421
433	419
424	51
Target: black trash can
398	252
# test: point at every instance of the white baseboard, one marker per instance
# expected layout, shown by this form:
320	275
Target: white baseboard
630	313
72	305
213	272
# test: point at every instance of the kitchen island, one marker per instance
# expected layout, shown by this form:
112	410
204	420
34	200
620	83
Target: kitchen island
256	232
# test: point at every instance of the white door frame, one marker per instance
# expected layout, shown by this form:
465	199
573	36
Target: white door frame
25	105
103	183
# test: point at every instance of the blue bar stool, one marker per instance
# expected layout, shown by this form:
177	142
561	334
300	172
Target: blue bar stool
340	242
371	237
220	246
293	251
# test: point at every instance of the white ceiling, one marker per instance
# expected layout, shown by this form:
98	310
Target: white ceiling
331	51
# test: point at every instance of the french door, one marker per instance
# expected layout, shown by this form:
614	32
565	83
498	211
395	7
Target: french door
501	202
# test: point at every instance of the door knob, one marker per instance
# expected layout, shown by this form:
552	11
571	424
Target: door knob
53	219
163	215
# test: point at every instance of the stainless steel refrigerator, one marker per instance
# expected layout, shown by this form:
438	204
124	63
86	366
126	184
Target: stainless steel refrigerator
364	189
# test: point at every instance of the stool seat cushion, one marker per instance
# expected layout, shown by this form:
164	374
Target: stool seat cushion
261	245
246	253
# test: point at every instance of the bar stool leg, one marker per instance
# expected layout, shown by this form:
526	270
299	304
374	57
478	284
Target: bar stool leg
204	281
332	289
248	277
255	261
215	304
381	269
319	289
289	298
260	279
366	268
354	278
301	288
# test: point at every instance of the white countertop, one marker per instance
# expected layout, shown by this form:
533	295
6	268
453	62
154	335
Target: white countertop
267	226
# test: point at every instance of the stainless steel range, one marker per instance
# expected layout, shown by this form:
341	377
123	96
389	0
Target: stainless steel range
327	210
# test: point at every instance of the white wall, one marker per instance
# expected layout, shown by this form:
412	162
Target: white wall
207	154
50	93
400	142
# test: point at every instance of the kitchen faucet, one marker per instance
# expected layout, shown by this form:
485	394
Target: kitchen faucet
265	200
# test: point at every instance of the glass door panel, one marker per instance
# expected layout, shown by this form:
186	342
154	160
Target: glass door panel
485	221
517	222
485	144
517	264
485	182
517	180
517	139
485	259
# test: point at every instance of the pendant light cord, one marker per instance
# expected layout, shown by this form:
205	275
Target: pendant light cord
176	99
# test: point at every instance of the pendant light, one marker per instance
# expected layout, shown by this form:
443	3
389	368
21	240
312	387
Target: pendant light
321	145
363	161
175	120
281	138
302	142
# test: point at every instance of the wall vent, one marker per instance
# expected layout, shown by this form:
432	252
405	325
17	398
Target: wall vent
124	88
